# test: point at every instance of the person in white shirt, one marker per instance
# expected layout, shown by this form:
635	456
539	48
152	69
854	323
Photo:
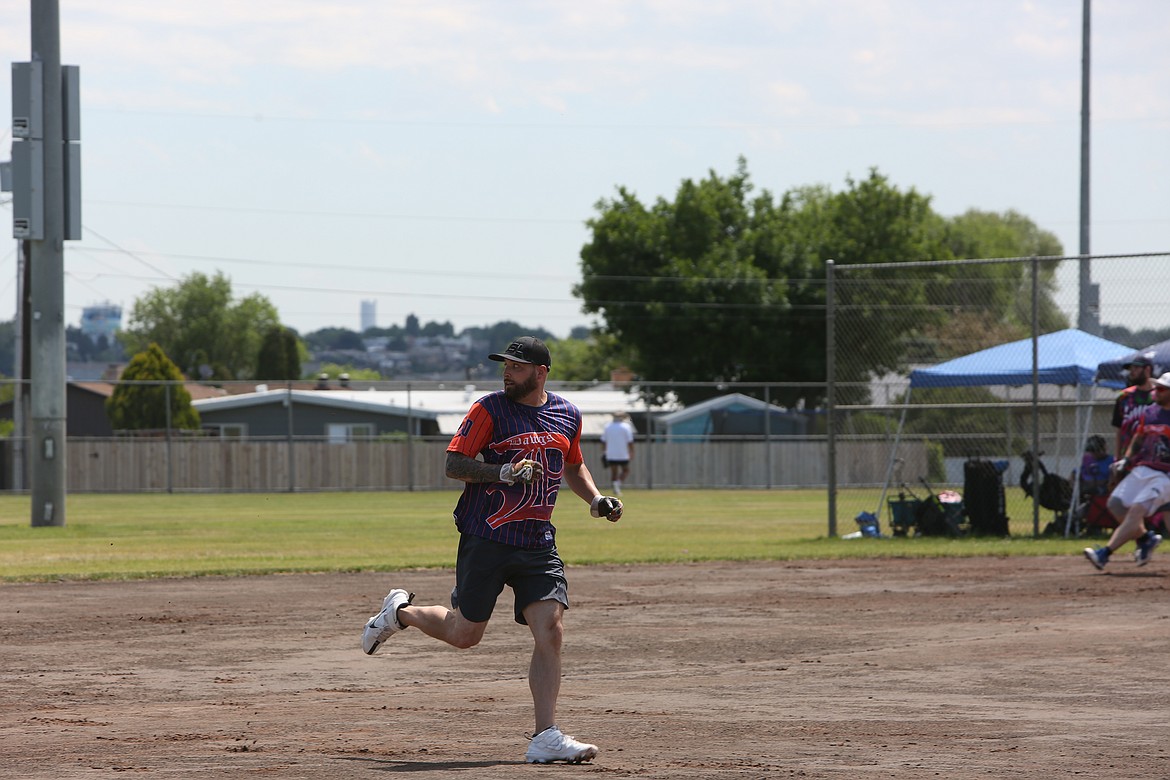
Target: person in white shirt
618	438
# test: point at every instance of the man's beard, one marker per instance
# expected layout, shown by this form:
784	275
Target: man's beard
520	390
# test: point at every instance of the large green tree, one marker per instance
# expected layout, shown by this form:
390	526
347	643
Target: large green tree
139	402
201	327
724	284
720	285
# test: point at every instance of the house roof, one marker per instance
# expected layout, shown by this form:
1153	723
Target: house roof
366	401
106	389
446	407
716	403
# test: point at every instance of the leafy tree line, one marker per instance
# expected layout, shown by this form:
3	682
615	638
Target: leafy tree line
210	335
1135	338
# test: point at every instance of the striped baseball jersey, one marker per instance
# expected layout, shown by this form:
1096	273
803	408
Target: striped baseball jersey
500	430
1154	428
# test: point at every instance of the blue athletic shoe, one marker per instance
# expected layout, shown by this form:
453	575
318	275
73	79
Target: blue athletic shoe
1146	545
1098	556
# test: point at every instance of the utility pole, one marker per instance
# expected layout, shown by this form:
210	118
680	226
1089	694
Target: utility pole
1089	309
46	212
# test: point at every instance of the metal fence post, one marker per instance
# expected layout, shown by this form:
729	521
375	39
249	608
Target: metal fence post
830	392
170	460
649	448
767	437
292	461
409	441
1036	392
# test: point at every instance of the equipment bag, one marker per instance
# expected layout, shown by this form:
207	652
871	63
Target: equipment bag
983	498
1055	490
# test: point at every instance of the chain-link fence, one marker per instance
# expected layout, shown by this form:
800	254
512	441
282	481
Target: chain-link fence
944	377
897	431
392	435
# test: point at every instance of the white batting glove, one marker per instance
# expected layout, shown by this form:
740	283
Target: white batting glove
606	506
521	471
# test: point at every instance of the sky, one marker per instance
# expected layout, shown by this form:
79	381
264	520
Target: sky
441	158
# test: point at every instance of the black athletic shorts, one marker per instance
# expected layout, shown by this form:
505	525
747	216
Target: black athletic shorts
484	567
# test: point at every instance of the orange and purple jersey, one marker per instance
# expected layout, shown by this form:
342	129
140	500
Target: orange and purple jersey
1154	429
499	431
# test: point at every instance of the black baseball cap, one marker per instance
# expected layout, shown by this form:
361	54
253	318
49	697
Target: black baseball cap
526	349
1140	360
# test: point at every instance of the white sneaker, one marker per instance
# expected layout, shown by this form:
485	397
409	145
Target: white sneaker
382	626
552	744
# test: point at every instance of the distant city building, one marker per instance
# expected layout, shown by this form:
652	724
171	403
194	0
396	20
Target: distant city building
101	319
369	315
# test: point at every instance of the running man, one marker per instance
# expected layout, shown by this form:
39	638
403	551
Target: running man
1146	486
513	450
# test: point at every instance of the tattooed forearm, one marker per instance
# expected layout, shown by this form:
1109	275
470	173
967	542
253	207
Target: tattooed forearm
466	469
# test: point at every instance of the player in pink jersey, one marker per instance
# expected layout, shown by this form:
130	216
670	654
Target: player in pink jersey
1146	486
512	451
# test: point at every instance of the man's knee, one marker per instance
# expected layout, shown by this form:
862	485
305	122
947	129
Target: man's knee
545	621
463	633
466	636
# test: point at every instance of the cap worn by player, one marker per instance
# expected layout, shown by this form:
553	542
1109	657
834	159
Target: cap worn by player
526	349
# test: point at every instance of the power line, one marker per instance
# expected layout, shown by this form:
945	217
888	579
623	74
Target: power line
127	252
334	266
340	214
619	126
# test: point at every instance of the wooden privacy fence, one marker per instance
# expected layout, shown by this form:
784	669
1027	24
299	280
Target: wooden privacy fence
129	465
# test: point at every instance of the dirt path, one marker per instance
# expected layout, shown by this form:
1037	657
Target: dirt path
978	668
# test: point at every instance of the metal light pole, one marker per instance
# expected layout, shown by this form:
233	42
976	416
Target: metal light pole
1088	314
1089	306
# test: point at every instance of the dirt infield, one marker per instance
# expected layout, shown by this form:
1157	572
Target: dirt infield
971	668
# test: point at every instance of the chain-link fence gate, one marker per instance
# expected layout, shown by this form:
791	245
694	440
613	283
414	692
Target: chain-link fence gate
923	394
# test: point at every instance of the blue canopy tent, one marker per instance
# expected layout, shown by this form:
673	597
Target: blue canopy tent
1065	357
1111	373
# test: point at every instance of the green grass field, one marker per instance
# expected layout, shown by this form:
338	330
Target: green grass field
159	535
